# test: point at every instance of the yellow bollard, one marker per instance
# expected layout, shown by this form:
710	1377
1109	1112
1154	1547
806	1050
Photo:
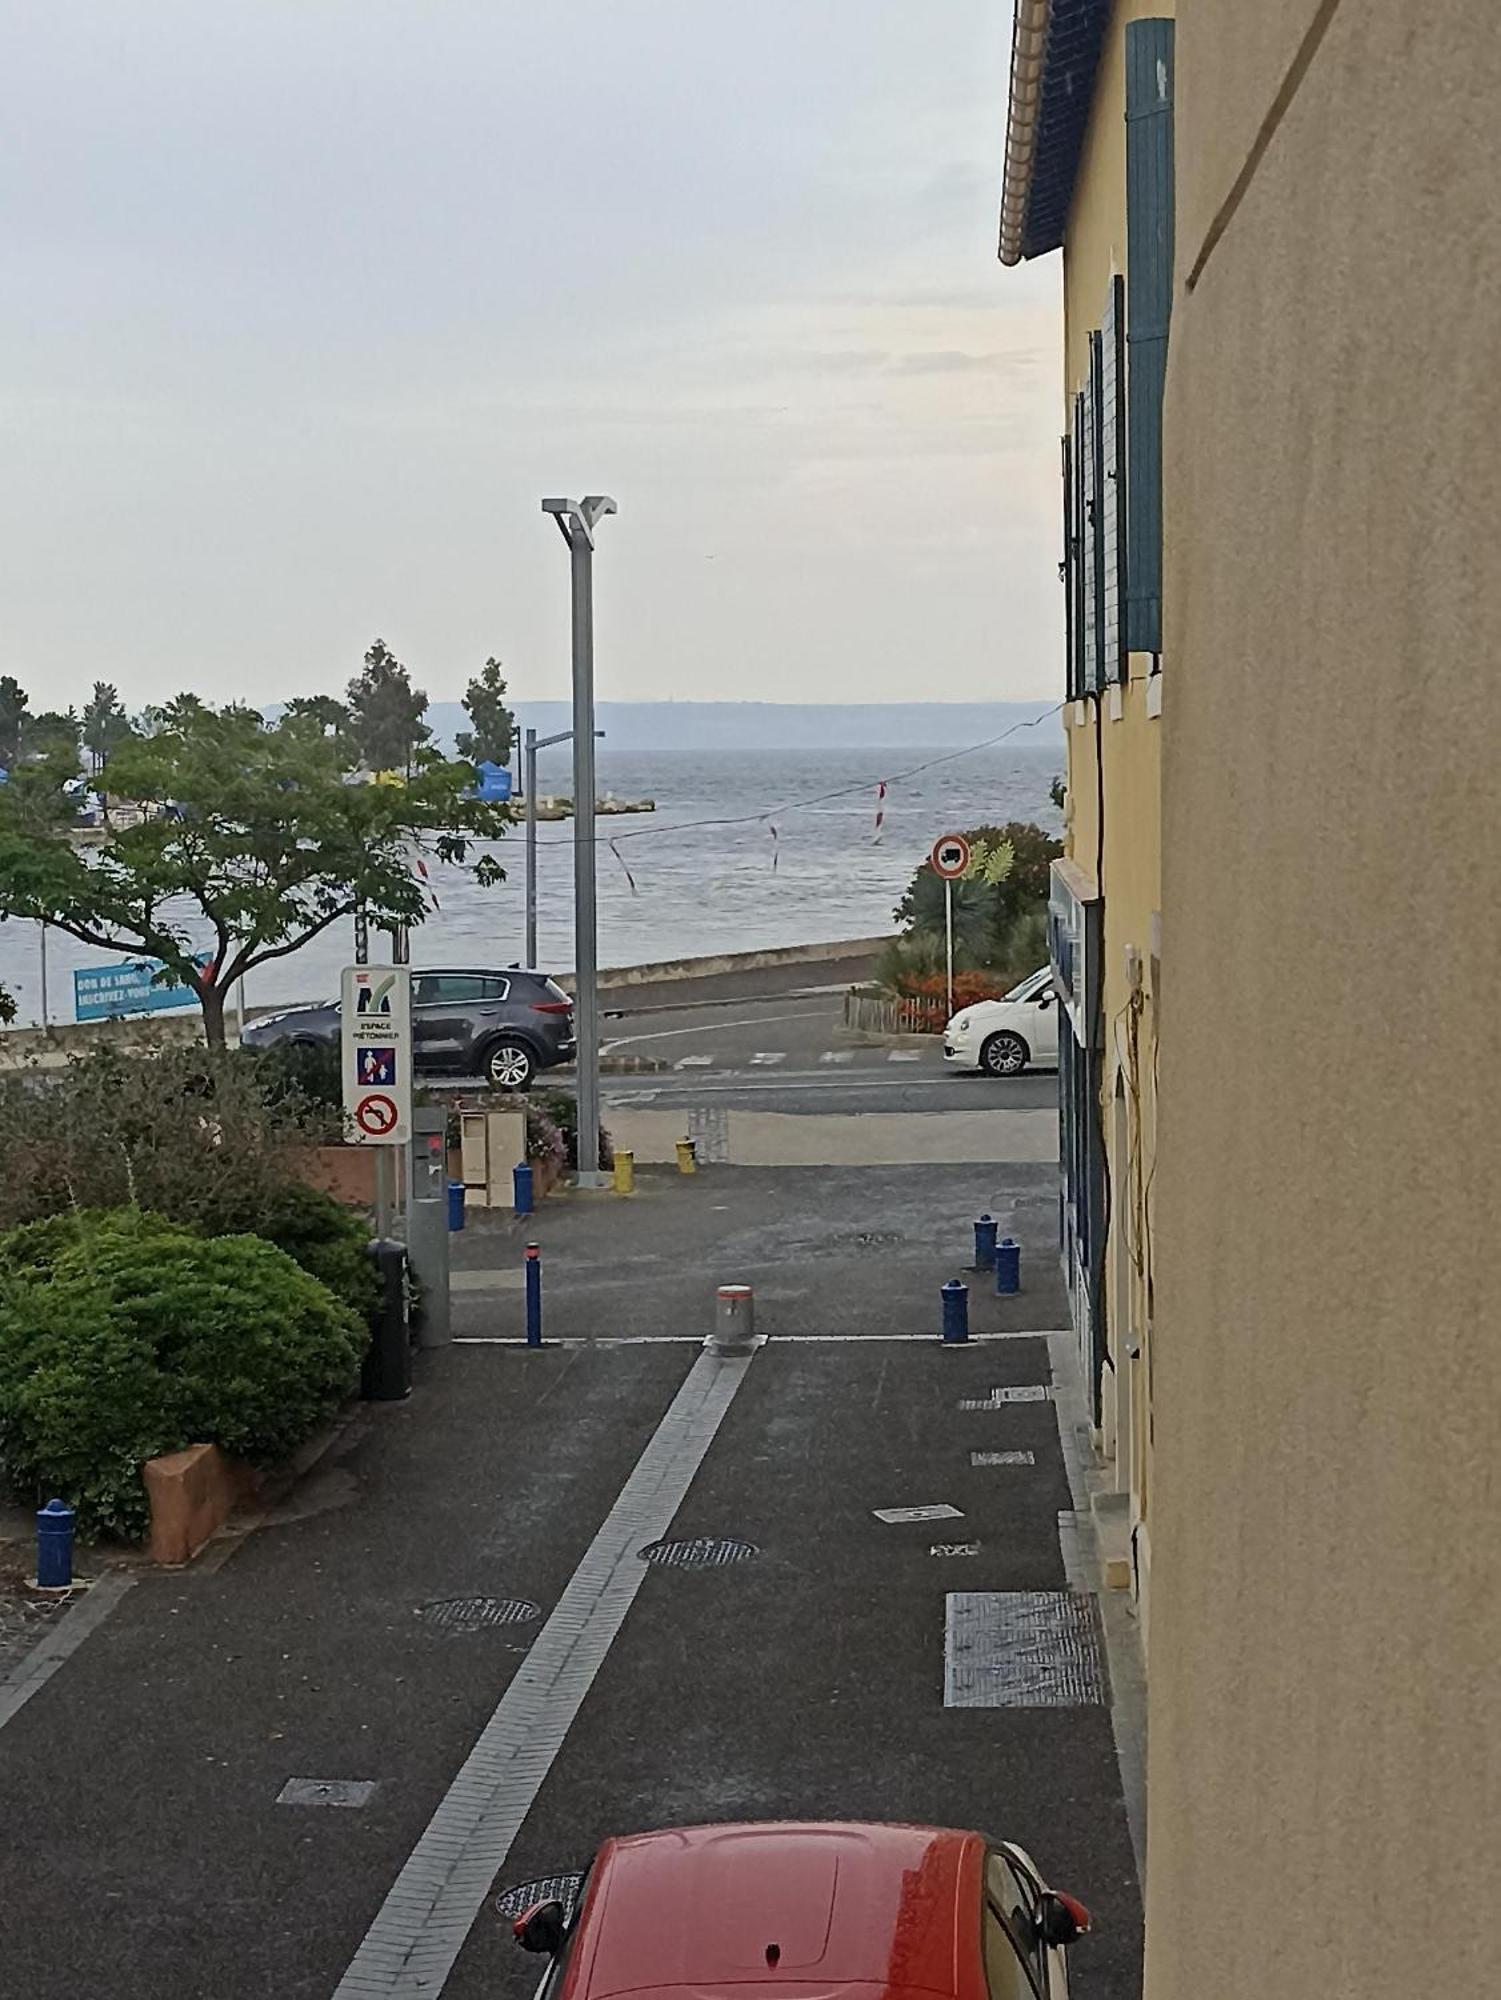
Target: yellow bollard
687	1157
625	1172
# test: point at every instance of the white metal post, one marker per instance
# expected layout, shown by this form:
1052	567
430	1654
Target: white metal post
948	937
529	781
46	1026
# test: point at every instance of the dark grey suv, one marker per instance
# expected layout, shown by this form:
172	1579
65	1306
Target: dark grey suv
466	1021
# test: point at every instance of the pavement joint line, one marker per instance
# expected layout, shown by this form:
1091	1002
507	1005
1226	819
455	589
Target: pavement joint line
54	1647
421	1926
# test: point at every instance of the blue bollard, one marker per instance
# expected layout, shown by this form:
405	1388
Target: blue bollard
456	1204
985	1230
533	1295
521	1177
955	1310
1008	1265
54	1545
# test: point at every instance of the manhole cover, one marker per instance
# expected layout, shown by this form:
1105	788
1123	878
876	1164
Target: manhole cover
526	1896
701	1553
477	1614
1021	1649
326	1792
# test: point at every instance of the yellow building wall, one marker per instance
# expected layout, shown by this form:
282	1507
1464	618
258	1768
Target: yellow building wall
1114	774
1324	1799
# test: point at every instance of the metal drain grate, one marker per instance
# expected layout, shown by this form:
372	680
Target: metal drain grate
477	1614
1021	1649
703	1552
1030	1392
1002	1458
526	1896
345	1792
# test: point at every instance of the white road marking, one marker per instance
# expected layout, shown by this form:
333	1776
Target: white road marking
837	1056
905	1055
1031	1392
894	1516
693	1062
1002	1458
419	1930
765	1058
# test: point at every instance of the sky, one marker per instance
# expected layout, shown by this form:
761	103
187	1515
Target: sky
310	302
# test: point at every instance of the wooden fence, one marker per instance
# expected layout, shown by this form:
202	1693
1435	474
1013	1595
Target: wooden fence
870	1014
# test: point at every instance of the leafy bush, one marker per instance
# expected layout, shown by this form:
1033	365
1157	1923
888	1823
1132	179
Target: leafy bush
122	1337
561	1111
545	1142
317	1232
308	1076
986	913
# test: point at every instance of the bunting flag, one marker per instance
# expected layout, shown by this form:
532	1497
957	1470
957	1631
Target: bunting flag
420	869
776	847
880	807
628	875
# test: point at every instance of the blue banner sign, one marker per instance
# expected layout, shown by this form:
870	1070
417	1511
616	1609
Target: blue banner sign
102	991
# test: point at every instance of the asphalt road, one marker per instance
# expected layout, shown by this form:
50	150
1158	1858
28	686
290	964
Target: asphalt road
146	1852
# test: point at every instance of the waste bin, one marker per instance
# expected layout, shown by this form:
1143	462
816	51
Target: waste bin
386	1376
456	1204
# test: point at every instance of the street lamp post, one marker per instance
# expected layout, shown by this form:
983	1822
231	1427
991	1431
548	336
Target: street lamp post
576	520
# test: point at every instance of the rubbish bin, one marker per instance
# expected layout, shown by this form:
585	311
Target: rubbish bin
386	1376
456	1204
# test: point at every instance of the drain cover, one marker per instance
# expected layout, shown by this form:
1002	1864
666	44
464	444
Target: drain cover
526	1896
477	1614
878	1239
1002	1458
326	1792
1021	1649
701	1553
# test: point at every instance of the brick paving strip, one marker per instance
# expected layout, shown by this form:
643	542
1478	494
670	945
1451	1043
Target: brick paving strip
419	1930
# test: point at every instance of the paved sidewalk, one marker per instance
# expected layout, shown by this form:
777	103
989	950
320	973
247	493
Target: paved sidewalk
146	1852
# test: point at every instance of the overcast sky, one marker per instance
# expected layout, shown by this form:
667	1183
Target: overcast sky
309	302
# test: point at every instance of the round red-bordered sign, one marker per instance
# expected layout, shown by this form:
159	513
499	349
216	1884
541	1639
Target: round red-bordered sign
950	856
376	1114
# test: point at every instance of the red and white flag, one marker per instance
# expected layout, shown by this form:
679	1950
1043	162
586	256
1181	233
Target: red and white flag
776	847
880	808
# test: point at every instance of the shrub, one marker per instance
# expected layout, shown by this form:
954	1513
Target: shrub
561	1111
545	1142
320	1234
134	1337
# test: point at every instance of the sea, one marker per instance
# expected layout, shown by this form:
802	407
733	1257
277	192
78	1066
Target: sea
747	849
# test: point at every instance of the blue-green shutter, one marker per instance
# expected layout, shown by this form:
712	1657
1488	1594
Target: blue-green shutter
1078	672
1149	299
1113	483
1066	570
1095	664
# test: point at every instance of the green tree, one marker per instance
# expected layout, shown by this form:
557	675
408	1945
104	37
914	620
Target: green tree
254	841
493	736
385	713
320	714
104	724
14	716
52	734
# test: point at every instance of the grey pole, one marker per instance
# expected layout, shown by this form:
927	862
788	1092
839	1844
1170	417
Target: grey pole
529	780
576	521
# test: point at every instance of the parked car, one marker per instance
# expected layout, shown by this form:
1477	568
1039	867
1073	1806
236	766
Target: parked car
466	1021
1002	1036
842	1910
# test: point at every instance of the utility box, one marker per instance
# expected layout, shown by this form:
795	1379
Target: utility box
492	1144
427	1222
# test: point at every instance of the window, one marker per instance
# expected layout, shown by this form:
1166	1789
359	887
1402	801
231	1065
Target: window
1030	988
1014	1965
459	989
1149	299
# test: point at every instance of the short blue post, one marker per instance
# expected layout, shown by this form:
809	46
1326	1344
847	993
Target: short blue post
521	1178
985	1230
456	1204
533	1295
54	1545
955	1310
1008	1265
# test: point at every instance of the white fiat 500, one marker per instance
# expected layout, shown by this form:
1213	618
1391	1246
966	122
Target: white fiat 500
1002	1036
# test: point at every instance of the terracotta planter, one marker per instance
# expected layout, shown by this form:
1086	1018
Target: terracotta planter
192	1494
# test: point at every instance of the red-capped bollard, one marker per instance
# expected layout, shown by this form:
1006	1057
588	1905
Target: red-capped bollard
534	1295
734	1320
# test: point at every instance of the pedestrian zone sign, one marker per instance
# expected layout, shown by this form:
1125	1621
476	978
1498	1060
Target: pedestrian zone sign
376	1033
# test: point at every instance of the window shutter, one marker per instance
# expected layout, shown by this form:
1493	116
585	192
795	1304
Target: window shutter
1088	679
1095	665
1077	666
1149	298
1113	484
1070	564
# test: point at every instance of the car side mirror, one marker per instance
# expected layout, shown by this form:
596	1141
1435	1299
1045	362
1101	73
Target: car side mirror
1060	1918
1044	999
541	1929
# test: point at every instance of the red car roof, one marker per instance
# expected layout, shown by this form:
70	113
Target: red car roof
872	1910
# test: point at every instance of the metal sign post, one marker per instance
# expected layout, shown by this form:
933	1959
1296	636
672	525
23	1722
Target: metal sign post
375	1020
576	520
949	861
531	744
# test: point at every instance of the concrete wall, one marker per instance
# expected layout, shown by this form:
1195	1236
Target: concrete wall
1114	772
1325	1696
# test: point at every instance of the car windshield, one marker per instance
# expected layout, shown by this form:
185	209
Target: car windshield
1027	987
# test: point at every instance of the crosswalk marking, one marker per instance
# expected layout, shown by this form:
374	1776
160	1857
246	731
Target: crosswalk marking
693	1062
837	1056
765	1057
905	1055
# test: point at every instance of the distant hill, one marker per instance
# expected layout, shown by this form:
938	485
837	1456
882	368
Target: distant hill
769	725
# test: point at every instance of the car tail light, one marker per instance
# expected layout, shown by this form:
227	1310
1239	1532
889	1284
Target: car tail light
552	1006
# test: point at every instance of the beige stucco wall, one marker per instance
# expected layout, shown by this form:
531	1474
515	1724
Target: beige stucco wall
1325	1664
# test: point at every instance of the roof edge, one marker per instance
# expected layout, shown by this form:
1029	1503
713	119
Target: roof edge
1029	37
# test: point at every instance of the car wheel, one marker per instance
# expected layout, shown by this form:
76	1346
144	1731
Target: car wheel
1004	1055
509	1065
